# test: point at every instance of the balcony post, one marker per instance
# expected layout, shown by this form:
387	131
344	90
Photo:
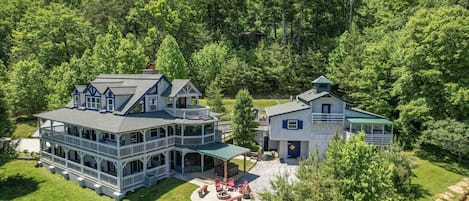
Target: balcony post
166	134
118	145
174	105
182	133
202	162
203	134
51	128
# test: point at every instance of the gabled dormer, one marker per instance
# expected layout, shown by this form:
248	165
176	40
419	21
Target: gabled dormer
92	98
322	84
78	97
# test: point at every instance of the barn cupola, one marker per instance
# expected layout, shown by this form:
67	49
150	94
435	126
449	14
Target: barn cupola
322	84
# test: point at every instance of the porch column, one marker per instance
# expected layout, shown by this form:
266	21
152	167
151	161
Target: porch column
182	133
167	162
225	168
118	145
98	166
82	162
350	127
383	129
174	159
392	127
145	161
361	127
202	162
372	129
197	100
203	134
66	156
244	169
182	162
118	173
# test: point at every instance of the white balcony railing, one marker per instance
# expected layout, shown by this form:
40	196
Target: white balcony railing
375	138
189	113
328	118
133	179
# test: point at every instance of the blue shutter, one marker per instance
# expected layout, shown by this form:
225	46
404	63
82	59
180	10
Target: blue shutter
300	124
284	124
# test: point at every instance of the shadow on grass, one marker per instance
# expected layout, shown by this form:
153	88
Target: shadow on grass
155	192
418	192
444	160
17	185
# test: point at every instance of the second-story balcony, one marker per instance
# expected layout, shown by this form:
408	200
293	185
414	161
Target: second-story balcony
328	118
190	112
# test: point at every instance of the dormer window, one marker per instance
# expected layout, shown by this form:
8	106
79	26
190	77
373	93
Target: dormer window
93	102
110	104
76	100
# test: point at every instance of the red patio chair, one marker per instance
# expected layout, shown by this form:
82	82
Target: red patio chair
218	185
243	186
230	184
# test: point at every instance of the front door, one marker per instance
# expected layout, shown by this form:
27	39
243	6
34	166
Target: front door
326	108
294	148
266	143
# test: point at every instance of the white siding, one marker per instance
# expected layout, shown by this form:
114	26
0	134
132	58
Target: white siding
337	105
283	149
278	133
304	149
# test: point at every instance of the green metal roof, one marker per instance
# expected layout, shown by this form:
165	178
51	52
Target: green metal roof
221	150
322	80
369	121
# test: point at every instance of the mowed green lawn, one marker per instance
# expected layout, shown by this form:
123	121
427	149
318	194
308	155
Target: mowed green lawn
240	163
432	179
25	129
257	103
20	180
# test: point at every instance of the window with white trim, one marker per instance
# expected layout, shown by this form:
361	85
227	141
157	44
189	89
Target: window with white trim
76	100
292	124
110	104
88	102
98	103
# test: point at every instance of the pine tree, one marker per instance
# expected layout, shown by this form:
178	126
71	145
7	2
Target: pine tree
214	97
243	115
170	61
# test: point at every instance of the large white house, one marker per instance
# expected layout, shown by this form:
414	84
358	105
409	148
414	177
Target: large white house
309	122
122	132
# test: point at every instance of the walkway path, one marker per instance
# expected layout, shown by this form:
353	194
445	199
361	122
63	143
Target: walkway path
30	144
455	191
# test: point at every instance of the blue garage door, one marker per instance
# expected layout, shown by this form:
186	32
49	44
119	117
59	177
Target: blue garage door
294	148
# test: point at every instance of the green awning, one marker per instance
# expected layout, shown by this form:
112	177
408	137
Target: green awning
369	121
221	150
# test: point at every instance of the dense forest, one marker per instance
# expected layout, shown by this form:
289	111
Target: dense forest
405	59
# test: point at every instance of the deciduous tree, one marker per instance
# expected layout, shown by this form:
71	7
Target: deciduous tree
27	88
